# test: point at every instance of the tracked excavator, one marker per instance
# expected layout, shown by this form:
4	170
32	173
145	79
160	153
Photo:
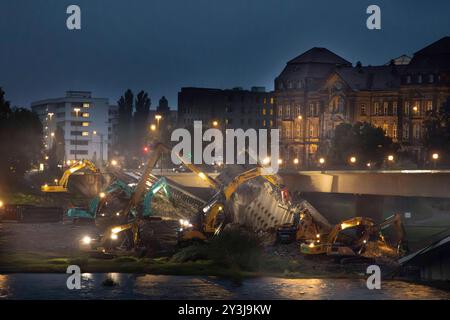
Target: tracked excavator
61	184
98	201
128	232
364	238
307	224
209	221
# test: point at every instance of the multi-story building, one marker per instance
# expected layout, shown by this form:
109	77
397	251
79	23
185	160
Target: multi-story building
318	90
84	120
226	109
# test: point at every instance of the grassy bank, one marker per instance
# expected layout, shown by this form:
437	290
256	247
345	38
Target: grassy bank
37	263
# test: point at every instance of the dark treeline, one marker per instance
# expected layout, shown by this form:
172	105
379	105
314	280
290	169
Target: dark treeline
21	143
132	126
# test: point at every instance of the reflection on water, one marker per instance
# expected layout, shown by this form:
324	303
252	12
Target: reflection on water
131	286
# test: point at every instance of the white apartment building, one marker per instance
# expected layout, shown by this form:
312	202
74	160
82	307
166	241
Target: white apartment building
86	122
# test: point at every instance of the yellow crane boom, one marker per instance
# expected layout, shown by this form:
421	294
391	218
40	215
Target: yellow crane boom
61	185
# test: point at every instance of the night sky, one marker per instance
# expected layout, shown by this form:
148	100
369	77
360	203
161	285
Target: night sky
161	46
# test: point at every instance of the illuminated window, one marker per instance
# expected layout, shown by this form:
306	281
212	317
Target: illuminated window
394	108
363	109
264	123
416	131
311	130
406	111
394	130
429	105
85	115
406	131
85	134
271	100
385	128
416	107
280	111
265	101
385	108
376	107
86	105
85	124
264	111
271	123
311	109
271	112
288	111
298	131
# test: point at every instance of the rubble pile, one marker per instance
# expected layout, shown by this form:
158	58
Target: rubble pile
159	236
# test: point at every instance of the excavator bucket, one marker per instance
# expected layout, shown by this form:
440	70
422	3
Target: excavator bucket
47	188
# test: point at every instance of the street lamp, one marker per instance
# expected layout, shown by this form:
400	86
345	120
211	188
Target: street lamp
158	117
215	123
390	157
299	117
295	161
152	127
352	159
322	160
280	161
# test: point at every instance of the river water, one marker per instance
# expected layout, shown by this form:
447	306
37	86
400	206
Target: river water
131	286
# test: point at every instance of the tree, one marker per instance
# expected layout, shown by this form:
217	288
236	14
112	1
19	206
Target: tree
132	127
140	120
437	131
21	137
361	140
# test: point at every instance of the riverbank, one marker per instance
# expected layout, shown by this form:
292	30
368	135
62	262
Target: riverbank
39	263
52	247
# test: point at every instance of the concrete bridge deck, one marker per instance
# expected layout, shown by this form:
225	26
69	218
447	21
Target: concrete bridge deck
408	183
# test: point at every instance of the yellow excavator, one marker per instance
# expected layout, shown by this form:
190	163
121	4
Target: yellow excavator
207	222
365	240
130	217
61	184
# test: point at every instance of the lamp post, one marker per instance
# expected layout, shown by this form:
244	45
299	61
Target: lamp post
352	160
435	158
321	162
101	135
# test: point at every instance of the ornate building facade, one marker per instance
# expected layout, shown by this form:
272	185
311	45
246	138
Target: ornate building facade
318	90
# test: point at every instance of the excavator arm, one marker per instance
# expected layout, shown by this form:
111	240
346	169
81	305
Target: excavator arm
212	210
62	183
131	221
